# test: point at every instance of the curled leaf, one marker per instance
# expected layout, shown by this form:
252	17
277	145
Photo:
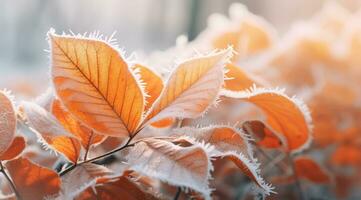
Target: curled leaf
33	181
191	88
265	137
95	84
7	121
287	117
238	79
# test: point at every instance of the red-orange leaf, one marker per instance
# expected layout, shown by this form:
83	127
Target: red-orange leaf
15	149
307	168
33	181
7	121
96	85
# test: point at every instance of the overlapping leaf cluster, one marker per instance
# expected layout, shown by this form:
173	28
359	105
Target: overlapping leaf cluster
210	126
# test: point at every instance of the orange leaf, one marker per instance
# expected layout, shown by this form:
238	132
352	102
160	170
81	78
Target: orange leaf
287	117
191	88
69	147
307	168
86	135
7	121
16	148
96	85
33	181
163	123
153	84
223	138
347	155
123	188
238	79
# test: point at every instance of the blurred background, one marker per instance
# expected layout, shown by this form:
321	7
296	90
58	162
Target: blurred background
143	25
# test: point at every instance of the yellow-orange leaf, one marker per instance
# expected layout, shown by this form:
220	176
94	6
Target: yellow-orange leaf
7	121
192	87
238	79
69	147
153	84
33	181
288	118
15	149
86	135
310	170
96	85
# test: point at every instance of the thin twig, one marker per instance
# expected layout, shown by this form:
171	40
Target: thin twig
88	146
177	195
126	145
12	185
297	181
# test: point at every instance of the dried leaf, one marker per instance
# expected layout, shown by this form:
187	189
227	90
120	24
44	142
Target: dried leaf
287	117
307	168
33	181
181	166
15	149
7	121
192	87
95	84
69	147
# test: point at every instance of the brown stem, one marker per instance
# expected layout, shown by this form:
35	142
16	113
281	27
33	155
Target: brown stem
126	145
12	185
177	195
295	176
88	146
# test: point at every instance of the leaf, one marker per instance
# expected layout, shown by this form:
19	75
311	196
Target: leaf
51	131
223	138
43	121
69	147
123	188
95	84
287	117
163	123
308	169
7	121
238	79
82	177
191	88
86	135
15	149
153	84
346	155
33	181
250	169
266	138
181	166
